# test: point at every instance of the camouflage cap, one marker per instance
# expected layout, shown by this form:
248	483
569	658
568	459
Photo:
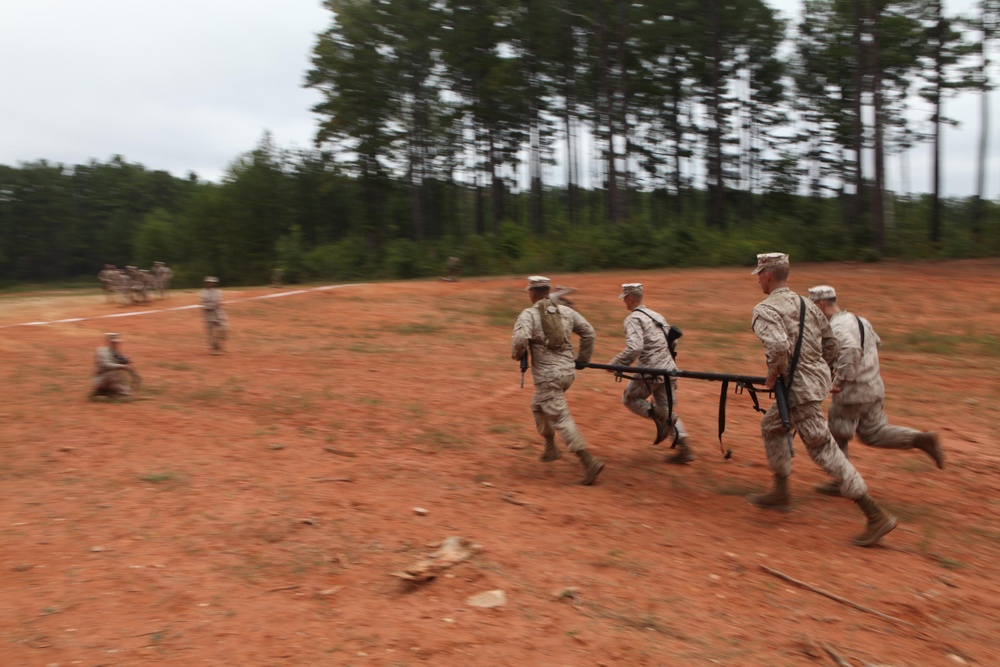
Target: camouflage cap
113	337
633	289
769	260
538	282
822	292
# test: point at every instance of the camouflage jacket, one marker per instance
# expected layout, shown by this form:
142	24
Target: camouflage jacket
856	370
776	323
646	342
546	364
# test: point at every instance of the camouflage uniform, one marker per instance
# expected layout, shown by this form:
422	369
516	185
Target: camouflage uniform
646	346
454	269
123	283
858	406
110	369
216	322
162	275
553	372
776	323
108	277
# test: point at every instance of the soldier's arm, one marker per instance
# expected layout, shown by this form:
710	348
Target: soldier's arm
106	360
633	344
522	335
582	328
845	366
770	330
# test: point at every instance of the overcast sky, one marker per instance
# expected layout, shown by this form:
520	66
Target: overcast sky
189	85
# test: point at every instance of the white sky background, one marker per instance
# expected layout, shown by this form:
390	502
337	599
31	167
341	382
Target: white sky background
189	85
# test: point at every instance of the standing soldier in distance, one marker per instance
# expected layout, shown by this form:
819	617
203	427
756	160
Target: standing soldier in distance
646	341
800	348
216	322
454	266
858	392
123	283
162	274
108	276
277	277
544	329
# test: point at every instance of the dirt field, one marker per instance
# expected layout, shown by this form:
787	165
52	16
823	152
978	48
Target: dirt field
208	524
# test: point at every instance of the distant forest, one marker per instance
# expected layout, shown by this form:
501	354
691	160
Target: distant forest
556	135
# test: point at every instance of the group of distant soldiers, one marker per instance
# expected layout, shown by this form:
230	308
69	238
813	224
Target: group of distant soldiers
134	285
114	375
813	346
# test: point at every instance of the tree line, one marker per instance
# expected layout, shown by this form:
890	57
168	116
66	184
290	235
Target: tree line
556	135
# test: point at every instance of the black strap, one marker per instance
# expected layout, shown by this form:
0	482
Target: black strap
861	329
798	345
722	409
662	325
670	409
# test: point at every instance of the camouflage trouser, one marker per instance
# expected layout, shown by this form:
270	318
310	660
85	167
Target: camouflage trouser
635	395
216	330
551	412
868	420
112	383
811	425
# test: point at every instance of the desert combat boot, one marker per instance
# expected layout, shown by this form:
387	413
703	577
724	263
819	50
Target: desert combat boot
776	499
592	466
551	452
930	445
880	523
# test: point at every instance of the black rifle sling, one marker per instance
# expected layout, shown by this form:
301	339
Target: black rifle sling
722	409
666	381
798	345
861	329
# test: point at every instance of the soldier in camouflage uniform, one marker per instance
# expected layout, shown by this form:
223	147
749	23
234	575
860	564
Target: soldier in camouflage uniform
646	341
454	266
123	283
162	275
111	370
216	322
547	335
858	392
776	323
108	277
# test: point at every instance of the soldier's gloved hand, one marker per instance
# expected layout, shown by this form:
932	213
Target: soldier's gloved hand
580	365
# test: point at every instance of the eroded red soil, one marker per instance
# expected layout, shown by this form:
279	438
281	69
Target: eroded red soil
204	526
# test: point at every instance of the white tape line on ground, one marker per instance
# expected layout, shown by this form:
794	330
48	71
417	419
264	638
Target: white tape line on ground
167	310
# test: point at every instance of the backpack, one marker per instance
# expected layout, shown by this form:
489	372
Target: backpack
552	324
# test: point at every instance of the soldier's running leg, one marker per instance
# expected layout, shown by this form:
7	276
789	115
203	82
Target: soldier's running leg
812	427
550	399
875	430
683	454
843	423
545	430
779	460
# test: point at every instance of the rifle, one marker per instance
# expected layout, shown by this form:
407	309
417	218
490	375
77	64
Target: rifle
524	367
752	384
673	334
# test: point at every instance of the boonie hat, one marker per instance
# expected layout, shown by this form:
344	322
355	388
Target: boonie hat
211	279
770	260
822	292
635	289
538	282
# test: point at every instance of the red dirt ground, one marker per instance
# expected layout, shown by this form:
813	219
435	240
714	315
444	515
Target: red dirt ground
202	526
